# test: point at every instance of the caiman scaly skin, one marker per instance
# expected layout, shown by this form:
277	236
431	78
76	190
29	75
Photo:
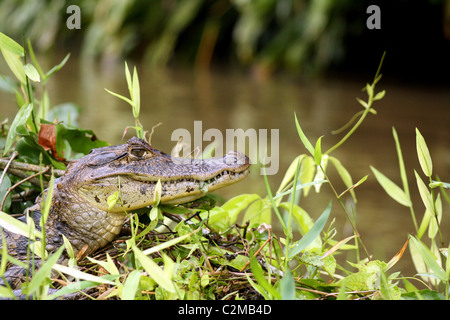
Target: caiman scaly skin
80	209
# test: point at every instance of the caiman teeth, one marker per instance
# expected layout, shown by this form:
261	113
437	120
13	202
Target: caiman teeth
232	174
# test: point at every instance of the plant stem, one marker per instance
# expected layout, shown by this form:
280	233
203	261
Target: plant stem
363	116
346	213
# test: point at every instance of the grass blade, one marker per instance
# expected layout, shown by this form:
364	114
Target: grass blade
131	285
303	137
155	271
429	259
424	154
394	191
312	234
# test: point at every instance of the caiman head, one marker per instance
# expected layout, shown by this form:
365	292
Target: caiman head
80	208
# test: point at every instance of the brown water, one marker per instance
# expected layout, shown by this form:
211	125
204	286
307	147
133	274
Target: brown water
226	99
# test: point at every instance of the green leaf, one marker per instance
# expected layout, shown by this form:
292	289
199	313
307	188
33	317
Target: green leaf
344	174
362	102
157	195
303	137
353	186
261	279
301	217
6	293
394	191
13	225
424	154
43	272
20	120
290	172
58	66
312	234
318	151
136	96
424	224
8	44
380	95
154	271
168	243
6	184
131	285
15	64
435	184
425	195
225	216
80	140
258	213
71	271
369	89
121	97
287	286
128	78
32	72
429	259
401	163
112	200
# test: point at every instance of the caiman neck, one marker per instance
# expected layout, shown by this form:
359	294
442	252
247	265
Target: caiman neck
86	227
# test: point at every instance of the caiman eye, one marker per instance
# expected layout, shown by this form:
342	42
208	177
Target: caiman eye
138	153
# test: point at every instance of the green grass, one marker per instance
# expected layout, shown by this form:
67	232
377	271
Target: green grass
227	251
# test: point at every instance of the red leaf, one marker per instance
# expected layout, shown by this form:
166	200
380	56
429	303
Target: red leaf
47	139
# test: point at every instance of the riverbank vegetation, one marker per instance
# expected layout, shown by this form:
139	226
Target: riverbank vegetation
223	251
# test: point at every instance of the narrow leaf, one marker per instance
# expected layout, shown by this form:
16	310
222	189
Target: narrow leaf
391	188
287	286
81	275
397	257
429	259
136	96
344	174
424	193
303	137
131	285
401	163
168	243
337	246
290	172
121	97
424	154
262	281
154	271
58	66
15	226
318	151
44	271
20	119
15	64
312	234
354	186
8	44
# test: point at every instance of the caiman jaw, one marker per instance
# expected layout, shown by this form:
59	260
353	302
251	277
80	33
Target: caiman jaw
185	181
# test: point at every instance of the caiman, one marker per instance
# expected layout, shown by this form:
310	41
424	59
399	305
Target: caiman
80	211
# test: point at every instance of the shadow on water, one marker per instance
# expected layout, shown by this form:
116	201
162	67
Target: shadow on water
225	99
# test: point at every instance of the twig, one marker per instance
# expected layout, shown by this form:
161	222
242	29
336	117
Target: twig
19	183
8	163
269	238
26	166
